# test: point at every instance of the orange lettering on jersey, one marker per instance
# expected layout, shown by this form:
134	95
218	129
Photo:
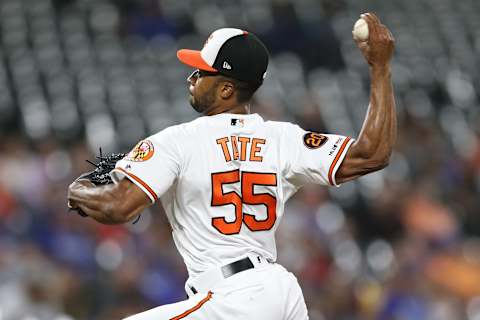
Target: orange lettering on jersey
234	147
254	149
223	142
244	141
239	148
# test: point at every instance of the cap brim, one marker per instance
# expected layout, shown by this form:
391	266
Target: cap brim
193	58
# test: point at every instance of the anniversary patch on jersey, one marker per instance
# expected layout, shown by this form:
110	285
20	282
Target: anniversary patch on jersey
313	140
141	152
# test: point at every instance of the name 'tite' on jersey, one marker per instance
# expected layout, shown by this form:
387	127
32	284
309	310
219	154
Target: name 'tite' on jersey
223	181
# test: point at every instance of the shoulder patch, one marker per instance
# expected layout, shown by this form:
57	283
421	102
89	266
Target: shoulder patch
314	140
141	152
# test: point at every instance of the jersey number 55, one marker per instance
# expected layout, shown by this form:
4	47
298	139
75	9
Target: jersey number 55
248	181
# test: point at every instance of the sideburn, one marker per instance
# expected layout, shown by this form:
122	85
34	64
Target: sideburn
207	101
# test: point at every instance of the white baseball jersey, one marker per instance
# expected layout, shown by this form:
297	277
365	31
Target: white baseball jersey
224	179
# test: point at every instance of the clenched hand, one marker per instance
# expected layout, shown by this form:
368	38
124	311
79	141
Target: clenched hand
378	48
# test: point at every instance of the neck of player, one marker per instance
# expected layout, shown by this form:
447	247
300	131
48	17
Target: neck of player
234	108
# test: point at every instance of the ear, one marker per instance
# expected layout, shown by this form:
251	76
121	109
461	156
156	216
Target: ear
227	90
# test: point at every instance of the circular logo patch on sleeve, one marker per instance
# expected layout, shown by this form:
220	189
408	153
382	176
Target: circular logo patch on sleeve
313	140
141	152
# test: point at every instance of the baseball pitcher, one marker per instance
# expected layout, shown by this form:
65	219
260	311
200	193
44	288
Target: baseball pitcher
223	179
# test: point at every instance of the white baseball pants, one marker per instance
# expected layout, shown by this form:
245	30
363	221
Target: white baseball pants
267	292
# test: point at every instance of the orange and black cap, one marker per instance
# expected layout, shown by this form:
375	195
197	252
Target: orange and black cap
232	52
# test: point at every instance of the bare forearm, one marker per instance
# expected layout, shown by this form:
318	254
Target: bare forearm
108	204
106	217
96	202
379	130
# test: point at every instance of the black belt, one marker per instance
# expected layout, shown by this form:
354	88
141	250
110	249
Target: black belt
236	267
233	268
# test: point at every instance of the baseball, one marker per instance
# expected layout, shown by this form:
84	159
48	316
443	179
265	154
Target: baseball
360	30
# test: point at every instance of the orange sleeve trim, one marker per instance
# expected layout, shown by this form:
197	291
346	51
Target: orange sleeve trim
334	163
198	306
146	186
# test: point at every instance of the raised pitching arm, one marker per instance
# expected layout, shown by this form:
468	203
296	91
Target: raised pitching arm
372	149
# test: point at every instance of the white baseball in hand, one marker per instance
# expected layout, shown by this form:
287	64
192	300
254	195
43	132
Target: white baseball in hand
360	30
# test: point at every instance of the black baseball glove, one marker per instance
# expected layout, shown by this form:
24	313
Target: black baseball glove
101	174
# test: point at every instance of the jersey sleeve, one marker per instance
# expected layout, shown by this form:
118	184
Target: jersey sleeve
311	157
153	164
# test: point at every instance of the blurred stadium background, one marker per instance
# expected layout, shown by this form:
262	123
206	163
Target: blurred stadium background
75	75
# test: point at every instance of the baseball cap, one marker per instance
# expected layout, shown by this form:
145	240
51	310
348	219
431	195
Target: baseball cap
232	52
